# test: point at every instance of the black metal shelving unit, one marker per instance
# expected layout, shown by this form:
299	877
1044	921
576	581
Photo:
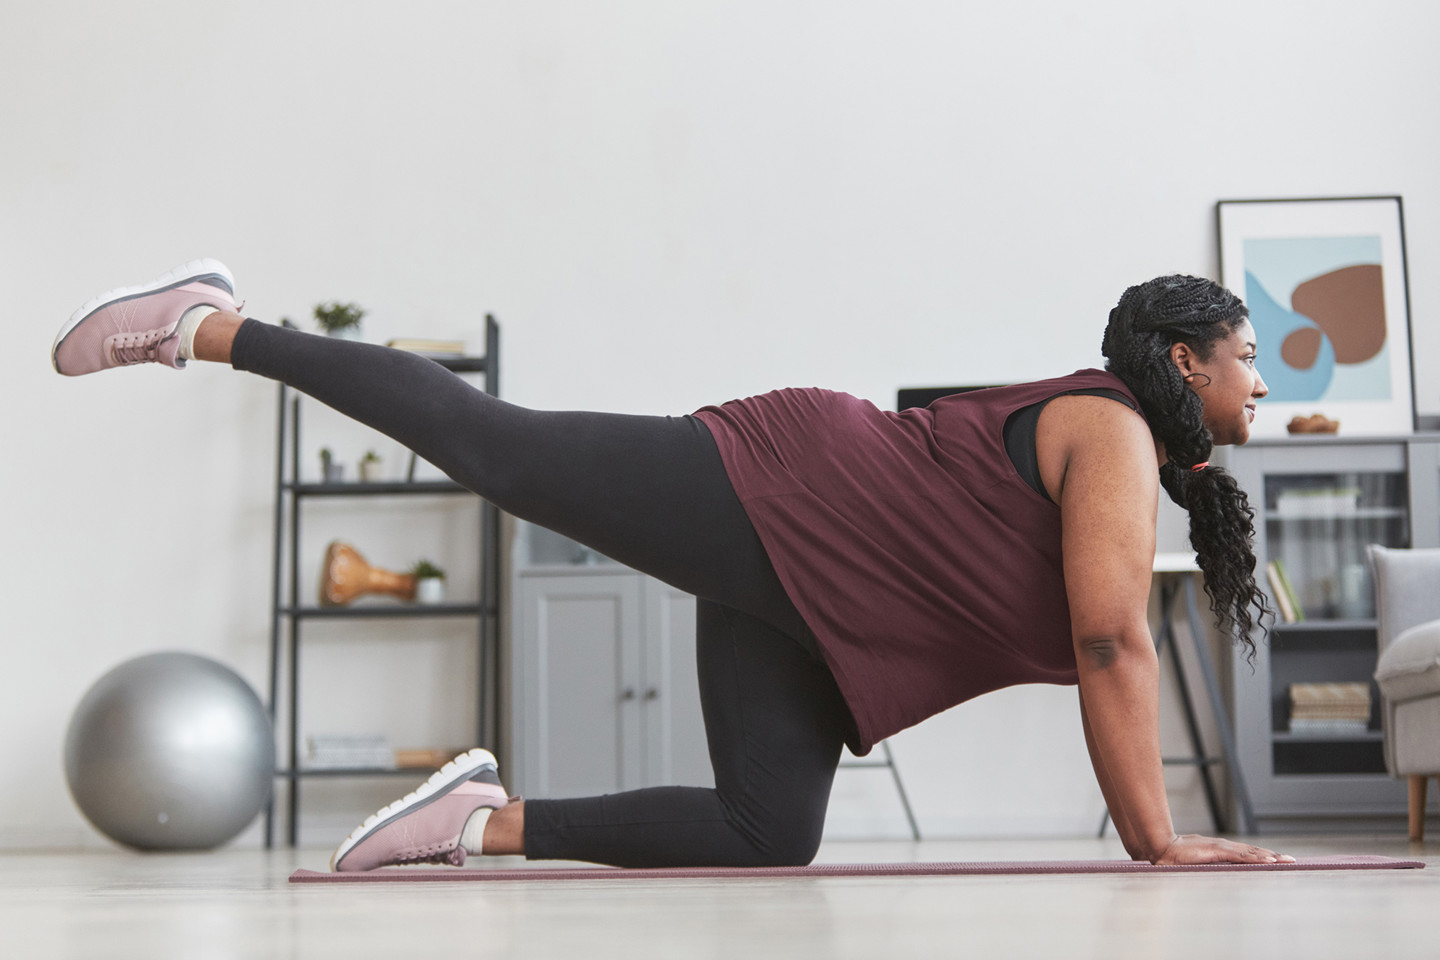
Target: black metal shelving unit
289	614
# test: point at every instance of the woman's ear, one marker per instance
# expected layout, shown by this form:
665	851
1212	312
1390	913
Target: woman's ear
1188	363
1183	357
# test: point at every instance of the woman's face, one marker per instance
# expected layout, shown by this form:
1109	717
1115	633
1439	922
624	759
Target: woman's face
1227	383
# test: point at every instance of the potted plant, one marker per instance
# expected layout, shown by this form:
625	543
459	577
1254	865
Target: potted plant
339	319
330	471
370	467
429	582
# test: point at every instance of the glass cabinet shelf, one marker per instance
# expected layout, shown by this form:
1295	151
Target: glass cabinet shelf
1367	736
1358	514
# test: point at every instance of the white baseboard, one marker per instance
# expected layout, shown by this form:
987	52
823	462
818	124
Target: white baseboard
84	838
36	839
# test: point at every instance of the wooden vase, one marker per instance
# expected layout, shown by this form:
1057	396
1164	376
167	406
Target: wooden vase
347	577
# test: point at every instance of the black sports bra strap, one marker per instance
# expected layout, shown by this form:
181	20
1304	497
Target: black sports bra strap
1020	433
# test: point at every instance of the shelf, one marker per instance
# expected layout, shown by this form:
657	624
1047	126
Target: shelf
1369	736
362	489
294	607
1360	513
459	364
574	569
1325	626
395	612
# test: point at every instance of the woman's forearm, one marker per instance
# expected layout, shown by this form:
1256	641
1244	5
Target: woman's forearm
1119	689
1107	789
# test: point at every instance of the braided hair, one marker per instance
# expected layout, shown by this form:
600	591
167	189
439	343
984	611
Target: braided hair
1148	320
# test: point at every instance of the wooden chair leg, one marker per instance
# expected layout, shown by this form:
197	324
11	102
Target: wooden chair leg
1417	808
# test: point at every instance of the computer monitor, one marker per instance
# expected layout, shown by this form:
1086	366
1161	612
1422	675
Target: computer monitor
924	396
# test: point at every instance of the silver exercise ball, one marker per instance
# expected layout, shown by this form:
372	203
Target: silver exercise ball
170	751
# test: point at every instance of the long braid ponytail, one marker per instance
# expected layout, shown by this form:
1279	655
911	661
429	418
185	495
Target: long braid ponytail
1147	321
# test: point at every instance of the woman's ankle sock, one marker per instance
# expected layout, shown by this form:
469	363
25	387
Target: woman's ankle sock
473	836
188	324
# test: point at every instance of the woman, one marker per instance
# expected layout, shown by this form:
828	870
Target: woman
856	570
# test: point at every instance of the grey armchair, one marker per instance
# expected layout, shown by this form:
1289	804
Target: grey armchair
1407	604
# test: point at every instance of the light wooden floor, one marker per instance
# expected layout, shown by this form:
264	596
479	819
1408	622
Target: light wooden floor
237	903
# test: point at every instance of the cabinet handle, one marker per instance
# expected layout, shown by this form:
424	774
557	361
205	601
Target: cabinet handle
629	694
652	694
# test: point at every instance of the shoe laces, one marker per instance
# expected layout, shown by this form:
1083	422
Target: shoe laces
454	856
128	348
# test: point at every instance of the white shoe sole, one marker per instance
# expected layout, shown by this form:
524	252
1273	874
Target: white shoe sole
457	771
185	273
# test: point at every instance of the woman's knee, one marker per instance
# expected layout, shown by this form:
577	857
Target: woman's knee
784	839
793	849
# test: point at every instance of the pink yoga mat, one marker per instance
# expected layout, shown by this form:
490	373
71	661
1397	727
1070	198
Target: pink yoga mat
1016	867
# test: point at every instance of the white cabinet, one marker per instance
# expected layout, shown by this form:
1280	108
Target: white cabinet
603	690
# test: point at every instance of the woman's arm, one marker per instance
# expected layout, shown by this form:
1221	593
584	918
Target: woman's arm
1107	483
1107	789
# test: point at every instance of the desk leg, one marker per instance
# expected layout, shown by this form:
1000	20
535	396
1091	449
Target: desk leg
1217	704
1165	637
1168	594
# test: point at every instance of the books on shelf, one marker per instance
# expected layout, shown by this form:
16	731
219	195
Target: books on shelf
1318	503
1329	709
370	751
1284	592
349	751
426	756
430	348
1340	699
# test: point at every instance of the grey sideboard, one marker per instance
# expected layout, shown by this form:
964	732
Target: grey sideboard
1319	500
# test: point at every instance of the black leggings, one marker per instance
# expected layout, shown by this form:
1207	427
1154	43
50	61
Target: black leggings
650	492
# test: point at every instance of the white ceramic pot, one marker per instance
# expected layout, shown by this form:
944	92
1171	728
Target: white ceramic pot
430	590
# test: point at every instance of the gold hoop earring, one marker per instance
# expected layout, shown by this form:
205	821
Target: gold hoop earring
1191	376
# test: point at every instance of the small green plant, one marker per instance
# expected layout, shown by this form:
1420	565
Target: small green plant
370	466
425	570
335	316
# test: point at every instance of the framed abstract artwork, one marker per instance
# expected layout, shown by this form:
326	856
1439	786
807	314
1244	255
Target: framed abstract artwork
1326	286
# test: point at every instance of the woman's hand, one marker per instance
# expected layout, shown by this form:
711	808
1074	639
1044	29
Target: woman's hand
1193	848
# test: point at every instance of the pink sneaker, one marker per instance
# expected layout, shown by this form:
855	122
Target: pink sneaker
137	324
425	826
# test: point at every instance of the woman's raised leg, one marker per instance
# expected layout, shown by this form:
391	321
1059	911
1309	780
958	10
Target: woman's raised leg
650	492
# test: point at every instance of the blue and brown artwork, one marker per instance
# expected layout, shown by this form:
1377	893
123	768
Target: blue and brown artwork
1318	308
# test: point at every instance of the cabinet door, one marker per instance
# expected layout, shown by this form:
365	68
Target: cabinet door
675	748
578	685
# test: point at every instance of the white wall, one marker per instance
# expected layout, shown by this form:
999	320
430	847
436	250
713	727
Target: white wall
666	205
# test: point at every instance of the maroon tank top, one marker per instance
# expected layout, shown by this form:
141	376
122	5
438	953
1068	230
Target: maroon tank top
929	571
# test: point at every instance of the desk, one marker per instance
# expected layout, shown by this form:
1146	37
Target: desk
1176	574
